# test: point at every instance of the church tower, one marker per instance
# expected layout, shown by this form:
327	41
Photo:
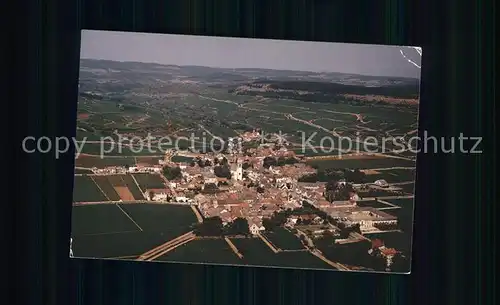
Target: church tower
238	173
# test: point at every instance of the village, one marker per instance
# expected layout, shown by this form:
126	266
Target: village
264	186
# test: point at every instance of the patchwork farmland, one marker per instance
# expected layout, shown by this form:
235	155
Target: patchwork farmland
126	187
97	188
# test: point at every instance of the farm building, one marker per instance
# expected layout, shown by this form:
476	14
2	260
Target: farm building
157	194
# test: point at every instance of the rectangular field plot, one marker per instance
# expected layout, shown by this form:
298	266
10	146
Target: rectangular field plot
256	253
106	187
209	251
404	214
85	190
372	204
149	181
403	202
364	163
302	259
100	219
161	217
150	161
284	239
113	150
126	187
128	245
392	176
96	161
408	188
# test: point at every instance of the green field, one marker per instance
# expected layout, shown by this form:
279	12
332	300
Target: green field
394	175
104	230
404	214
362	163
182	159
85	190
100	219
256	253
116	245
209	251
408	188
404	202
301	259
284	239
106	187
149	181
112	149
372	204
148	160
161	217
96	161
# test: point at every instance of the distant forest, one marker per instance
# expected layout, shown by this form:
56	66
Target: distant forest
401	91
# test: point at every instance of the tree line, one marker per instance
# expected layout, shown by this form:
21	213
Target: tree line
213	226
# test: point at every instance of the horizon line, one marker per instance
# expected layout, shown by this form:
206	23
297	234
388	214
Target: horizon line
212	67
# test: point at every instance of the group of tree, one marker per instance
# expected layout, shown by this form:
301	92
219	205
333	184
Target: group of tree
200	162
326	240
335	191
213	226
406	89
246	165
223	171
345	231
278	219
239	226
329	174
172	173
280	161
355	176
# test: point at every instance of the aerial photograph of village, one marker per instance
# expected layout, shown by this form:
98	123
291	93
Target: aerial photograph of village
246	152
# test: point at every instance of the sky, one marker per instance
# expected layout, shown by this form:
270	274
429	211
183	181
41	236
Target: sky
223	52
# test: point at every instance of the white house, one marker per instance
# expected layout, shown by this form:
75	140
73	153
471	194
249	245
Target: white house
157	194
255	229
182	199
381	183
367	218
291	221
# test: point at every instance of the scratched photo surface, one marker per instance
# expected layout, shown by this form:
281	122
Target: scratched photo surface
266	153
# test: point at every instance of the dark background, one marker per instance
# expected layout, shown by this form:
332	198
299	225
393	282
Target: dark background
455	197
